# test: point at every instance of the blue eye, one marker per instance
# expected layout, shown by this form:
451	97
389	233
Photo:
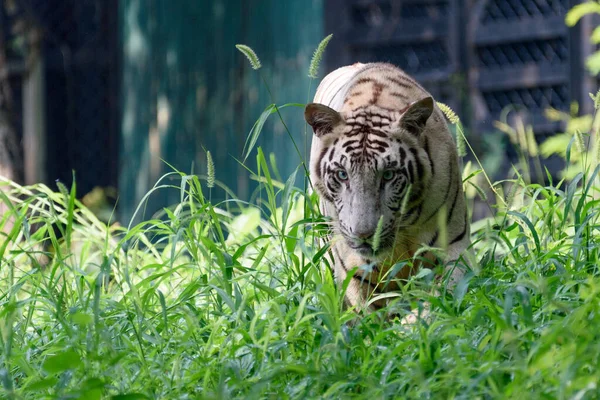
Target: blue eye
388	175
342	175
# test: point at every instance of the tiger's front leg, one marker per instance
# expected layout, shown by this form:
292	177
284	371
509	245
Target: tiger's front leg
355	295
459	259
457	262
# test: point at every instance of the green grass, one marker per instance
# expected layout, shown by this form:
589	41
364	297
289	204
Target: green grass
235	300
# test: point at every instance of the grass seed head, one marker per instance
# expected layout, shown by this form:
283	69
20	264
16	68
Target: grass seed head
313	69
250	55
210	166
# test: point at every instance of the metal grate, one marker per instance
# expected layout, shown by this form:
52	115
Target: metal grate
504	10
536	99
415	59
416	35
374	14
522	54
552	51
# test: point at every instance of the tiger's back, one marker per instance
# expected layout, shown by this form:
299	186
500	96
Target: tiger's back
382	155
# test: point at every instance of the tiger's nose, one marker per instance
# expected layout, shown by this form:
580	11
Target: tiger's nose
363	234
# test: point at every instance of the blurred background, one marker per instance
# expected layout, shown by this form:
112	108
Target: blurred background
116	89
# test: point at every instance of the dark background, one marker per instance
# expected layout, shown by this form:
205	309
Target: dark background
128	83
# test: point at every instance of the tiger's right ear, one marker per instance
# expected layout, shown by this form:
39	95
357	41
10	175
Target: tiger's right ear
322	118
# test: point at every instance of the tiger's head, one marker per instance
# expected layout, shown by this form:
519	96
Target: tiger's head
373	165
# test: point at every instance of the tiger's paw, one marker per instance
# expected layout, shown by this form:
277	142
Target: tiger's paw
415	315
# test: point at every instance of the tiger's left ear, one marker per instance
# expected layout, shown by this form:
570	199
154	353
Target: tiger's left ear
322	118
415	117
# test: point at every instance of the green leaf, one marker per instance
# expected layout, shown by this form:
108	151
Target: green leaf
291	239
81	318
243	225
225	297
595	38
163	307
260	123
42	384
580	10
270	291
423	272
592	63
527	222
286	199
93	383
130	396
91	394
70	359
525	304
461	288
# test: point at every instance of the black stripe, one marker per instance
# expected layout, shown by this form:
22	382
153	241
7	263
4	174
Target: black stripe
410	169
464	231
399	81
377	306
449	215
331	186
428	151
375	142
416	214
416	194
327	196
444	201
362	279
319	164
400	95
406	78
364	80
350	142
402	153
337	255
420	169
434	239
378	133
331	153
461	235
382	116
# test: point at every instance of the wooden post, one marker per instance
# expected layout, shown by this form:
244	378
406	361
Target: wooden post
34	118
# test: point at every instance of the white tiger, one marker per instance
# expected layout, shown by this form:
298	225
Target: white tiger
382	155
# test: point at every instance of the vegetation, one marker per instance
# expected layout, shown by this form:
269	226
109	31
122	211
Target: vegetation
235	299
208	302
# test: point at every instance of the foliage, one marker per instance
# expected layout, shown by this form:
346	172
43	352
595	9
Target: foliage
313	69
216	303
250	55
236	300
579	145
573	16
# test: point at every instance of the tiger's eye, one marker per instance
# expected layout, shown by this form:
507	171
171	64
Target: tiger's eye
388	175
343	175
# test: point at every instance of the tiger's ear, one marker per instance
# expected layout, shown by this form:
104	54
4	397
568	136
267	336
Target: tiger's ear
322	118
415	117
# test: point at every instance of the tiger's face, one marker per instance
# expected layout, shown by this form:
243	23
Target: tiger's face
372	169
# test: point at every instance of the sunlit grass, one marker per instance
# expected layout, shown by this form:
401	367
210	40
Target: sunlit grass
235	300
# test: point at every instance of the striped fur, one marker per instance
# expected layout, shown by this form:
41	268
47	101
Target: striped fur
382	150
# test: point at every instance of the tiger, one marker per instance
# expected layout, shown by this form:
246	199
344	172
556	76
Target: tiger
386	169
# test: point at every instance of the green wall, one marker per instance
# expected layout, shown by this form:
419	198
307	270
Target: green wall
186	88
